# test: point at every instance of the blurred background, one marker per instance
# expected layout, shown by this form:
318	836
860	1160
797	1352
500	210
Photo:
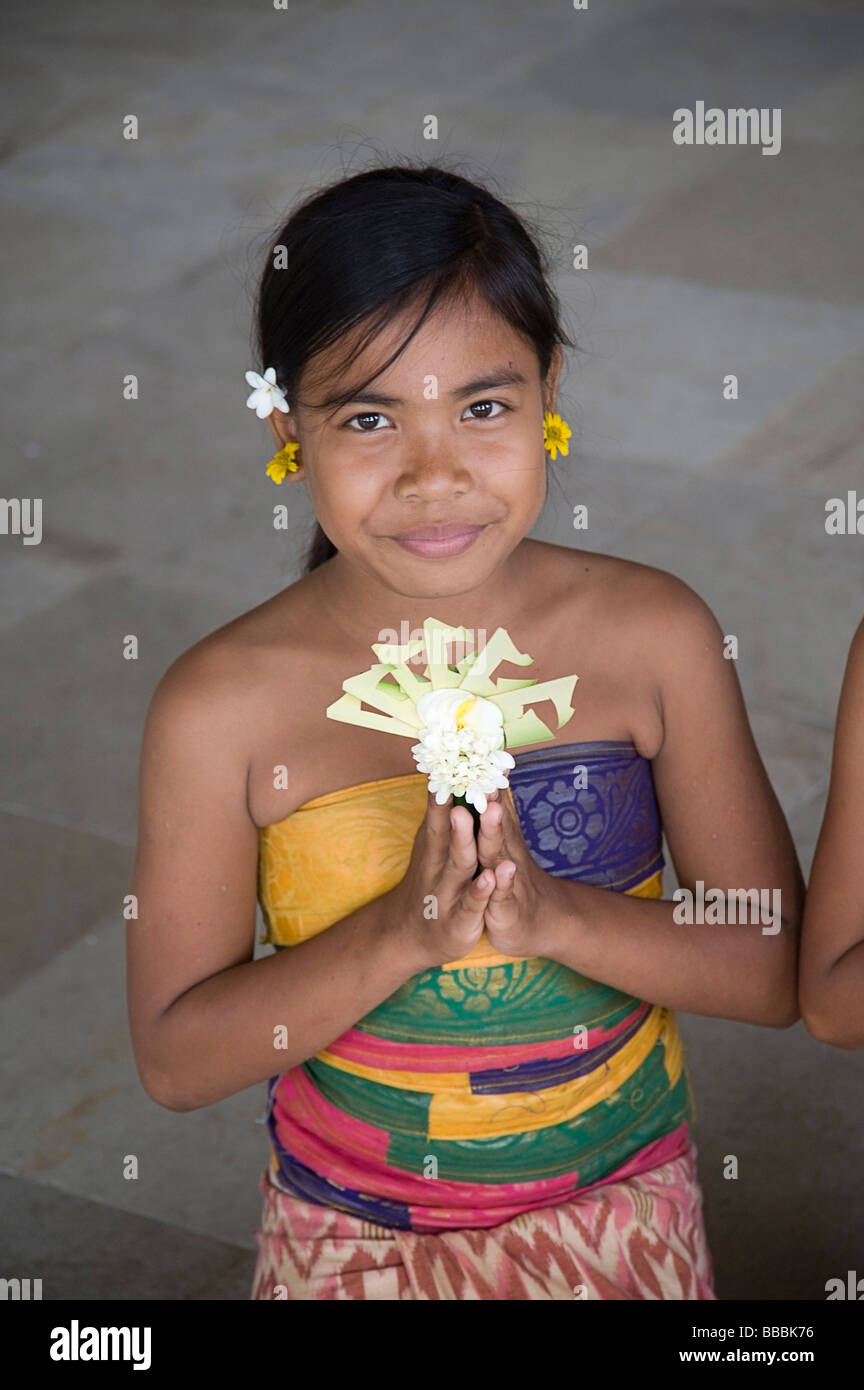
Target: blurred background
140	257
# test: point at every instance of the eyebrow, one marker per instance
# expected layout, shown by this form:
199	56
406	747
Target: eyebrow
499	376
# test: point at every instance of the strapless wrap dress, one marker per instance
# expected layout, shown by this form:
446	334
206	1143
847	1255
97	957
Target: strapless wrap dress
499	1127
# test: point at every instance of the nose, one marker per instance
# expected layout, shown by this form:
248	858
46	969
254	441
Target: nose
433	474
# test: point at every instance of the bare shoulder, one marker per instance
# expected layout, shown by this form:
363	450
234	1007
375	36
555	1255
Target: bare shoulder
635	633
640	602
225	677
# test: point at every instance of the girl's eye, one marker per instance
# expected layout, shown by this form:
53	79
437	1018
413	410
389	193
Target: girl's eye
367	415
482	405
369	418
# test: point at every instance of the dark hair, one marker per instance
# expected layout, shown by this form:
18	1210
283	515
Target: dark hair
365	247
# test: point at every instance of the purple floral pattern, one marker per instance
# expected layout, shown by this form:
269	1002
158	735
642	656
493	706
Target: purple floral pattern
607	833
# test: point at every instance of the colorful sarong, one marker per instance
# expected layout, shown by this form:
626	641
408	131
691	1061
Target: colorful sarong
489	1091
639	1239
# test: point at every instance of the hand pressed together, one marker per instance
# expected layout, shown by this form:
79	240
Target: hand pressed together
441	909
524	899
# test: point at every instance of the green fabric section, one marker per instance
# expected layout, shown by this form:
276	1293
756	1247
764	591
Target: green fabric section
385	1106
594	1144
534	1000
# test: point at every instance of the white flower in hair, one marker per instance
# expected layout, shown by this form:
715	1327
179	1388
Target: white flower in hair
266	394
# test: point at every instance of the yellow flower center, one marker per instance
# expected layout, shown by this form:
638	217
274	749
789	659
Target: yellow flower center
462	710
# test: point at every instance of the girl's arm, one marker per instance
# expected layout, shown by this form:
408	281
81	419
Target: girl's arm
724	827
831	982
205	1016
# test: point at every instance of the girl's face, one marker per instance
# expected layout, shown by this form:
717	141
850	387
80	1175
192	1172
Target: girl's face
429	479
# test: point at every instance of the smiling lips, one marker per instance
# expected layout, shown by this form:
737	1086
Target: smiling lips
448	539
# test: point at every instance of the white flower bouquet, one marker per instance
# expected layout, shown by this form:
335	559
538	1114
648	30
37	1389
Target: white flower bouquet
461	716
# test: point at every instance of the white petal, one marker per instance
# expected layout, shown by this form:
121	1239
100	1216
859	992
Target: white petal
270	375
437	708
485	718
254	379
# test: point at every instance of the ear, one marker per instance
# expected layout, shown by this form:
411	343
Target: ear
282	427
550	385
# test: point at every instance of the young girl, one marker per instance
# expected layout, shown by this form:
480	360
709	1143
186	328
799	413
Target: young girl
490	1102
831	982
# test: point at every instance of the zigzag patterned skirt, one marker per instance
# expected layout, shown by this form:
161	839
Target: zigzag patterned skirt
639	1239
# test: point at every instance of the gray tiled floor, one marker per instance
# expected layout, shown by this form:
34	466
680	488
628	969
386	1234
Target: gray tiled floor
750	225
96	1250
140	257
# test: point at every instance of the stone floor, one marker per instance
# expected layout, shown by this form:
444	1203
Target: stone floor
140	257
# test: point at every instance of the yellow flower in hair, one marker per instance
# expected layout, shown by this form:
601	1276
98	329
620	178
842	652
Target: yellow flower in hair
556	432
283	462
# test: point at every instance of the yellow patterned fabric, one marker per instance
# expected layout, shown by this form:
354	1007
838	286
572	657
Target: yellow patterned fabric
316	866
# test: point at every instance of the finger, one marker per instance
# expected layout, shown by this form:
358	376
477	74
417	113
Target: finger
476	894
512	835
437	828
462	852
505	878
490	839
508	830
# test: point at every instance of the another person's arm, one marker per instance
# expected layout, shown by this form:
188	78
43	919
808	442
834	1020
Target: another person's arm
831	977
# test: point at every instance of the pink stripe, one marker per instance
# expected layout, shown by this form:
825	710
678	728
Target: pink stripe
652	1156
368	1050
310	1111
322	1147
340	1167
